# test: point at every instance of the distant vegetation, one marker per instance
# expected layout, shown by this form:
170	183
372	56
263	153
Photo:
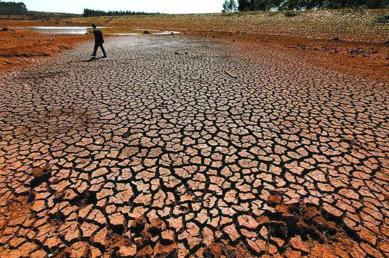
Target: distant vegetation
263	5
12	8
46	15
230	6
18	10
96	13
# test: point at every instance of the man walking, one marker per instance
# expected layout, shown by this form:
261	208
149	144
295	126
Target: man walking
99	41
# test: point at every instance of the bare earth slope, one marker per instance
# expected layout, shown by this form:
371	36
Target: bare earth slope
165	149
361	25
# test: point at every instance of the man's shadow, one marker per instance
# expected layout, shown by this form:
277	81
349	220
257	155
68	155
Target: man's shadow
93	59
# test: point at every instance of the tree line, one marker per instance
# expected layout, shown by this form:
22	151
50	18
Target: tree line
12	8
94	13
263	5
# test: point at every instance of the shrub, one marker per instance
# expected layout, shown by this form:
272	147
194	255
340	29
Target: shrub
382	19
290	13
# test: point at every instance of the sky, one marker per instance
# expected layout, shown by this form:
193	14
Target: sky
162	6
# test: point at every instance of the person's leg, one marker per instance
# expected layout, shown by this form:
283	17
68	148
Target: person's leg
95	50
102	49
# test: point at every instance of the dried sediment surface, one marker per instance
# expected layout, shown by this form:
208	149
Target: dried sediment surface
180	147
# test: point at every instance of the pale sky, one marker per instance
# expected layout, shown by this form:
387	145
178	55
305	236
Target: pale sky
163	6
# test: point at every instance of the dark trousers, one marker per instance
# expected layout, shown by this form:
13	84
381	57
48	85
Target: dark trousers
97	46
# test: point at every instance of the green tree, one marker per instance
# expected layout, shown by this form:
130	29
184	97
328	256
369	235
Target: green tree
233	6
244	5
225	6
96	13
12	8
230	6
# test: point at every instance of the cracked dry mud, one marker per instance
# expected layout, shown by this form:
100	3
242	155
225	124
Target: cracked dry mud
175	147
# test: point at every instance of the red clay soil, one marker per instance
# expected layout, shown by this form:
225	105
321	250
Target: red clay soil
19	47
